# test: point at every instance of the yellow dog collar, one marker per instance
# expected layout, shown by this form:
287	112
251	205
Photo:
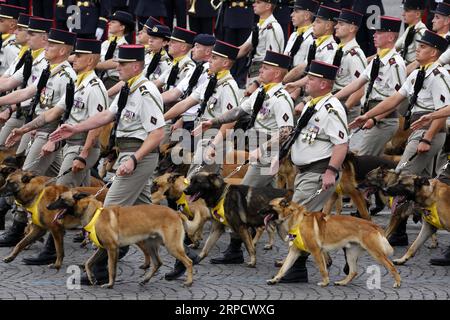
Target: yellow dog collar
183	205
295	238
432	217
90	228
218	212
34	209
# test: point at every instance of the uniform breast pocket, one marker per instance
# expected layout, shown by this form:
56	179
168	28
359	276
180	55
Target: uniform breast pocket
128	116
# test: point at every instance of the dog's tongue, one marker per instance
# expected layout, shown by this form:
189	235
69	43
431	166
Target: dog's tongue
267	219
194	197
59	215
395	203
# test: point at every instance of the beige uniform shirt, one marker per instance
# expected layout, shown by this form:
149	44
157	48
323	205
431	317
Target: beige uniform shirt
271	37
435	92
9	52
325	51
326	128
163	65
302	52
186	67
390	78
143	112
276	111
104	49
225	97
353	64
399	45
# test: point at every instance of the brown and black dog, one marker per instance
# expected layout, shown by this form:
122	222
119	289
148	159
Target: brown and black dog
31	192
431	200
235	206
148	226
318	233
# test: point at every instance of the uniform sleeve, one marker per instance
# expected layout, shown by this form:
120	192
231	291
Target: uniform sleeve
440	90
336	125
275	37
10	54
18	75
399	73
283	111
113	107
229	98
445	57
199	92
97	101
248	103
366	73
358	65
164	76
151	115
407	88
184	83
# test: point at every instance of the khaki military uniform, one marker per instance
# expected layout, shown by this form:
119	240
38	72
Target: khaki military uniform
164	64
9	52
313	148
142	115
225	97
435	94
276	112
89	99
399	45
302	52
325	50
111	76
390	79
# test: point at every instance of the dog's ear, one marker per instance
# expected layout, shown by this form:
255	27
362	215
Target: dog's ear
8	170
215	179
284	203
421	181
289	194
27	178
173	177
80	195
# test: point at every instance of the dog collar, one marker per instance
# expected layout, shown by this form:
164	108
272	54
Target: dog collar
34	209
295	238
218	212
431	216
90	228
183	205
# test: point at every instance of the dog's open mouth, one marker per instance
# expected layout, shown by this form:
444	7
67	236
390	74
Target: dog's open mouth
60	215
268	218
194	197
397	202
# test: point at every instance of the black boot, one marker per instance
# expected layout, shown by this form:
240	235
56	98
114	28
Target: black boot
232	255
100	269
399	238
4	208
179	269
46	256
13	235
379	205
297	273
442	261
78	238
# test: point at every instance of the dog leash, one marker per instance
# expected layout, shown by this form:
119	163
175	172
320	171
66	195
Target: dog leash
304	203
58	176
354	132
237	169
400	168
108	183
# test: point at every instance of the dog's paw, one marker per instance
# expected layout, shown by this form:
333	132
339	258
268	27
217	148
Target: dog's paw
108	286
268	247
8	259
271	281
143	283
144	266
54	266
187	283
340	283
278	263
399	262
396	285
251	264
323	283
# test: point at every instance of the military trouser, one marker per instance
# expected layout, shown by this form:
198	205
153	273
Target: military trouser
81	178
375	139
135	188
422	164
11	124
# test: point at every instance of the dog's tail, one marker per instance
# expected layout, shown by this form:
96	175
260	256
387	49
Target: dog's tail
385	245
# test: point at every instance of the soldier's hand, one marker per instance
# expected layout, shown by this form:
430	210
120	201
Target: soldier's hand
126	168
290	87
328	180
14	137
203	126
77	166
368	125
63	132
4	116
299	108
48	148
99	33
177	125
423	121
358	122
210	153
423	147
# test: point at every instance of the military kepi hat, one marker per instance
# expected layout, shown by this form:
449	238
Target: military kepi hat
62	37
24	20
389	24
131	53
205	39
11	12
323	70
442	9
327	13
225	50
88	46
159	31
351	17
414	5
183	35
39	25
434	40
151	22
123	17
307	5
277	59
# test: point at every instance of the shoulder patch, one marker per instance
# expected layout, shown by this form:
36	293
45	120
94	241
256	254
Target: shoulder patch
436	71
229	106
330	46
99	108
353	52
93	82
143	90
278	93
269	26
153	120
392	61
329	107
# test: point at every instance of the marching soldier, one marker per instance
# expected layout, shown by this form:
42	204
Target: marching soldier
428	89
157	61
81	151
302	18
201	18
9	49
350	59
385	74
267	34
43	156
412	15
24	71
137	132
271	110
120	24
441	20
319	146
93	17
